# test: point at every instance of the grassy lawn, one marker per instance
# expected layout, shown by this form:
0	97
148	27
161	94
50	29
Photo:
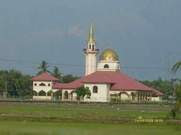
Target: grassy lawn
81	112
58	128
83	119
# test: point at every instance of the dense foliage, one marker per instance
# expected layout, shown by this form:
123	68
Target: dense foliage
165	86
15	84
82	92
177	66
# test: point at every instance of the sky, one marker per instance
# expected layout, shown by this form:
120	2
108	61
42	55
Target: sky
144	33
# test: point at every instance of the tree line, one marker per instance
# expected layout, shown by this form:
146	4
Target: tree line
15	84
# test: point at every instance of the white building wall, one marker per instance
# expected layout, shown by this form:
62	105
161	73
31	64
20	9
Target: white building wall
102	94
156	99
90	63
113	66
37	88
125	95
71	95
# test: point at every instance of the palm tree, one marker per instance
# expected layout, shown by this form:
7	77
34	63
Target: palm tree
43	67
57	73
177	105
176	67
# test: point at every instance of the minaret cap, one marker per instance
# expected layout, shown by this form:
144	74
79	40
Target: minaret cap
91	38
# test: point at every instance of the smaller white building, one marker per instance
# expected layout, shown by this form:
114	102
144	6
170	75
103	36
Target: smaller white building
43	86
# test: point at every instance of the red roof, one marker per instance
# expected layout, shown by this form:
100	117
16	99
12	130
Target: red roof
157	93
45	76
118	80
73	85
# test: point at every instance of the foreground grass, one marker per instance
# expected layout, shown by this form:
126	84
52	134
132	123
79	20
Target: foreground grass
48	128
81	112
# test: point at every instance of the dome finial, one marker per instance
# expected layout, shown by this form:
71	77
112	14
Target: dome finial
91	37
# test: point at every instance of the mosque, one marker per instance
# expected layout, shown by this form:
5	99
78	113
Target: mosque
104	78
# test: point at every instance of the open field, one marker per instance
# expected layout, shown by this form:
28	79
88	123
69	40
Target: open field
48	128
83	119
82	112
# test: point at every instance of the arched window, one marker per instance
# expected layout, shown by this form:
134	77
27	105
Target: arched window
92	47
49	93
42	93
106	66
66	95
42	84
95	89
35	84
89	46
35	93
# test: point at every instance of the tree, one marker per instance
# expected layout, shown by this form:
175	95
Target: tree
57	73
82	92
176	67
69	78
15	84
43	67
164	86
177	105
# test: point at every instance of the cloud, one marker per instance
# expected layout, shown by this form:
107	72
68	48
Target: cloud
75	31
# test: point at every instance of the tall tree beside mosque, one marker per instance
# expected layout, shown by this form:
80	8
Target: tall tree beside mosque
57	73
177	66
177	105
43	67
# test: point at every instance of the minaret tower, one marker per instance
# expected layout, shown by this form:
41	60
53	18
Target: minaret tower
90	53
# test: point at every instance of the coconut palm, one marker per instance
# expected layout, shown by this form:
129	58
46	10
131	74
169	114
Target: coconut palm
176	67
57	73
43	67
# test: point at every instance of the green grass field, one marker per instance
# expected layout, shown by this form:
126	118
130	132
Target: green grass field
82	112
83	119
47	128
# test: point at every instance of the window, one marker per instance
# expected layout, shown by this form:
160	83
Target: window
106	66
42	84
42	93
89	46
66	95
92	47
35	93
95	89
49	93
49	84
35	84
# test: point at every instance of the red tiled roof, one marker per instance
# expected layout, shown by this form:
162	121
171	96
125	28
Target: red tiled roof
157	93
73	85
45	76
118	80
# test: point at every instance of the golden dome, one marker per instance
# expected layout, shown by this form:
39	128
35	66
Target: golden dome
109	55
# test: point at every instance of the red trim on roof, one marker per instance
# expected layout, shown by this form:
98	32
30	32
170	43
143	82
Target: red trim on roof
45	76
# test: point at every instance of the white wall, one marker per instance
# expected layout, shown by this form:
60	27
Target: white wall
48	86
113	66
156	99
38	88
90	63
123	96
101	96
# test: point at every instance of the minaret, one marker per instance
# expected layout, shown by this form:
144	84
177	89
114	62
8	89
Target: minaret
90	53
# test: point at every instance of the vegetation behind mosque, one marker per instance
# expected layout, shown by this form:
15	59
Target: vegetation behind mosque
19	85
